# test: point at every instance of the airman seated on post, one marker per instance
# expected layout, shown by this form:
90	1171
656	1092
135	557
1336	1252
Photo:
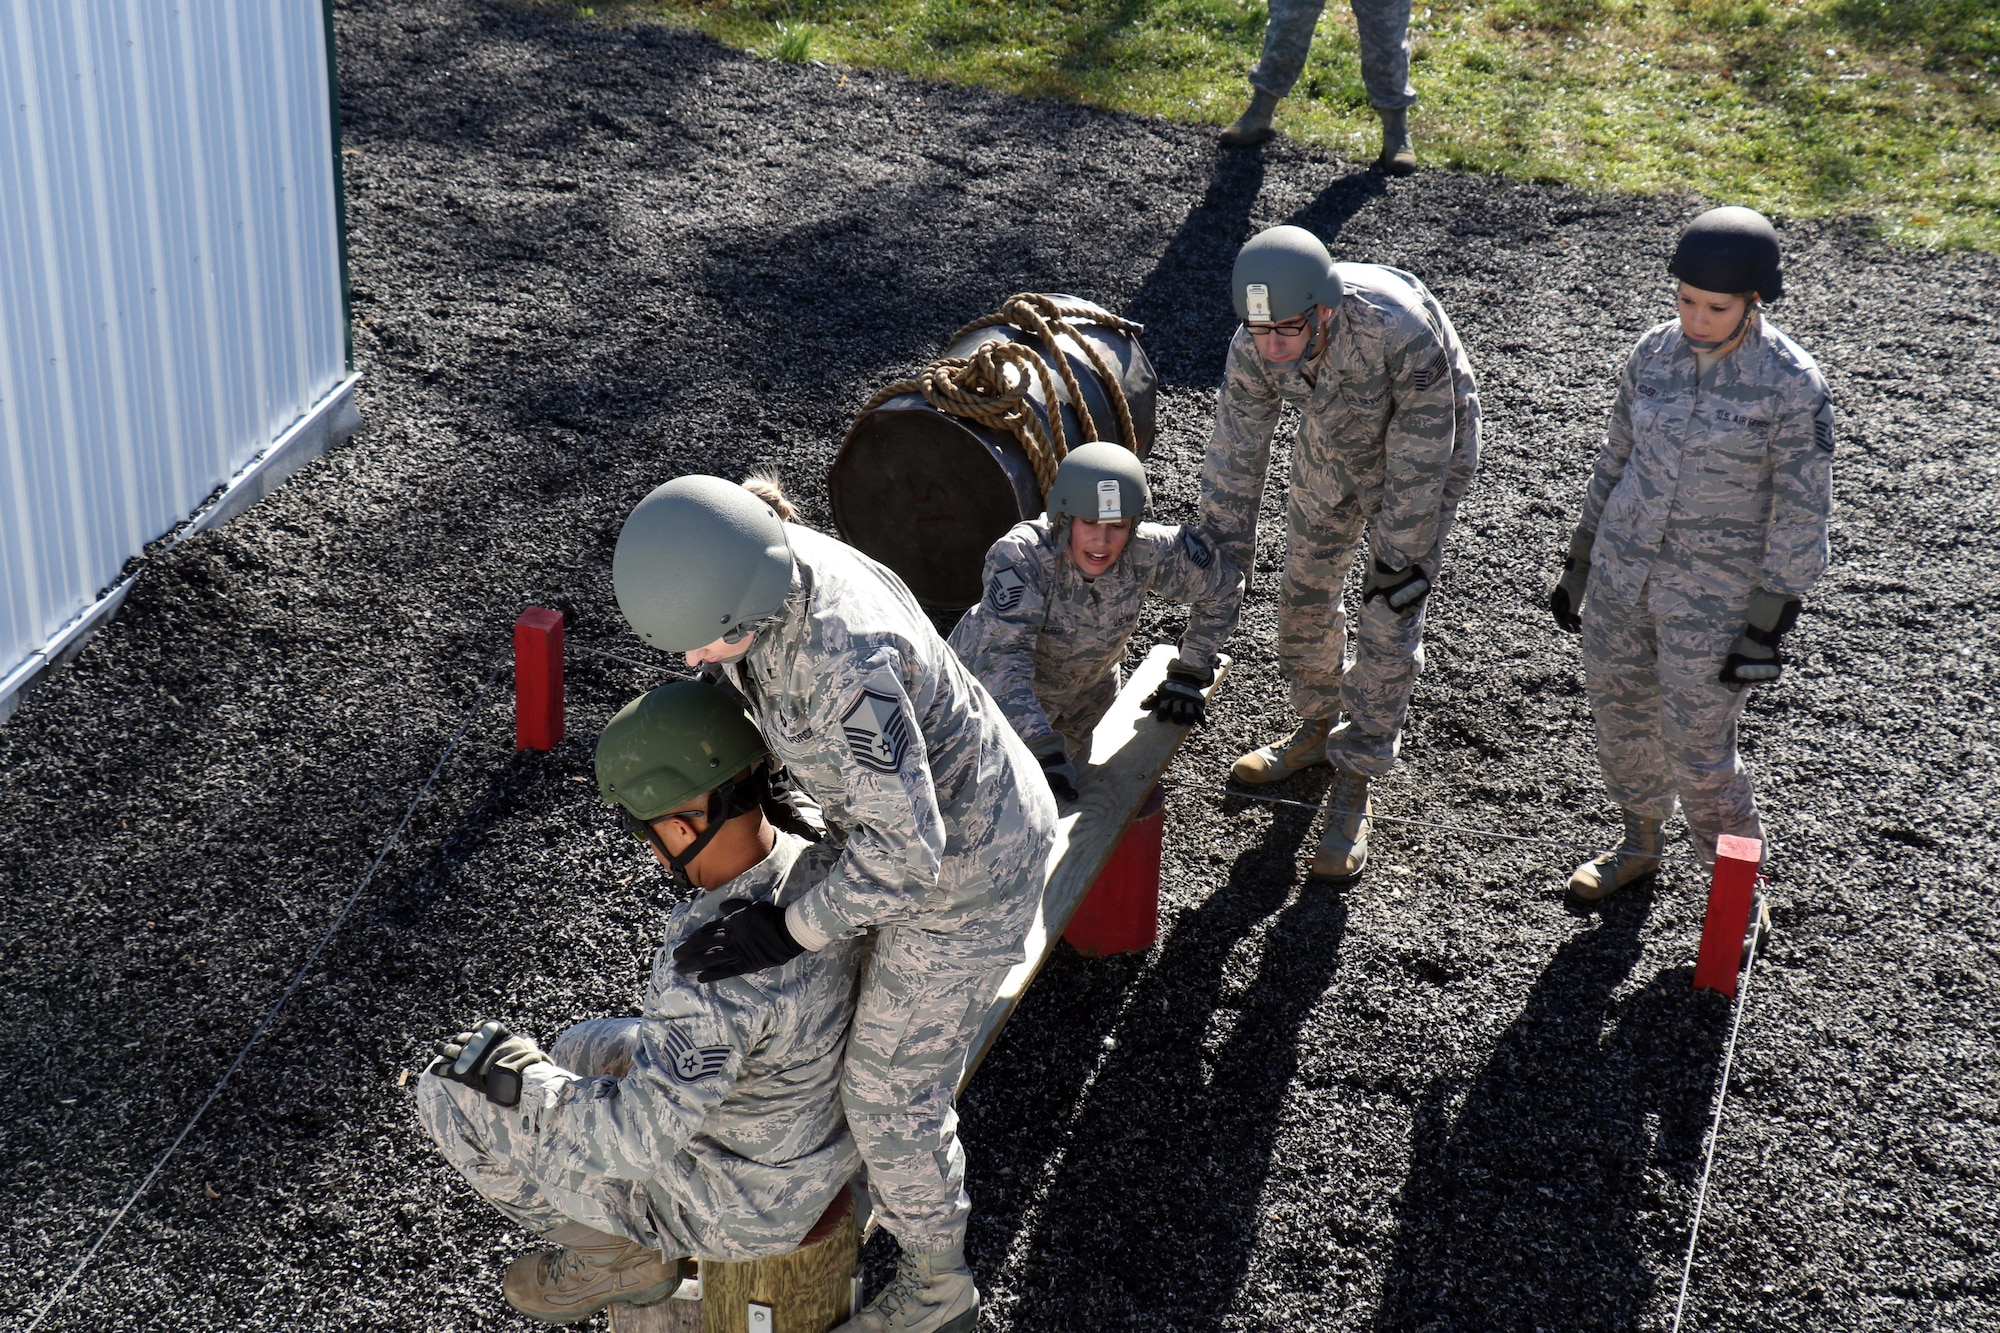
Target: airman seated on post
710	1126
1063	596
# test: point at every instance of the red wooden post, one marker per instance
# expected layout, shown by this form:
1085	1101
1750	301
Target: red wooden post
538	679
1121	913
1722	931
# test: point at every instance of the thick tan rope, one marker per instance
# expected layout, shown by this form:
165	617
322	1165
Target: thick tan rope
981	388
1048	318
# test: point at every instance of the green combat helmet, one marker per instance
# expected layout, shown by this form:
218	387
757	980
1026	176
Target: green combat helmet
1100	482
674	744
700	559
1281	273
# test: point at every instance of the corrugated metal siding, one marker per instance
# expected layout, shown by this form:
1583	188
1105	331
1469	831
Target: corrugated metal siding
170	286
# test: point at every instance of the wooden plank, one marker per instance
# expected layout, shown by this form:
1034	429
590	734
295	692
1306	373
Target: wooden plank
1128	753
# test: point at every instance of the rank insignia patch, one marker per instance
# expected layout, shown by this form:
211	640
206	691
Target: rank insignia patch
878	732
1196	548
689	1063
1005	589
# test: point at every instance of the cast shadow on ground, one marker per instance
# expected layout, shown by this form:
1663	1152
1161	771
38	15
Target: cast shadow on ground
1174	1136
1538	1204
1184	301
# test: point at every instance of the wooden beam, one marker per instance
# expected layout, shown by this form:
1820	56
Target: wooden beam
1129	752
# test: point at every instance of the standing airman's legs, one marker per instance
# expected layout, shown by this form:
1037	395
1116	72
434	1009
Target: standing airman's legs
1621	670
1312	634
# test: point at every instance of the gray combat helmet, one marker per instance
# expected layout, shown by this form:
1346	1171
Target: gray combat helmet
1100	482
673	744
1281	273
1730	250
698	560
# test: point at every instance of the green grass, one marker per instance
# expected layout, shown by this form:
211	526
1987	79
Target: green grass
1799	107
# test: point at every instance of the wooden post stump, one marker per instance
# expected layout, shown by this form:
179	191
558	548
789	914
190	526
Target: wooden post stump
807	1291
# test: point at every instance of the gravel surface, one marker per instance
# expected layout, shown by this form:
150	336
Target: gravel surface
587	258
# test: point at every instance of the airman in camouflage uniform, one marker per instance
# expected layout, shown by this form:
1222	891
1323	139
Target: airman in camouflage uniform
1383	27
1047	642
708	1126
1710	500
944	825
1388	442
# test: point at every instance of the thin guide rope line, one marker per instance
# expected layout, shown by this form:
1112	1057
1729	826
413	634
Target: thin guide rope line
298	978
1715	1127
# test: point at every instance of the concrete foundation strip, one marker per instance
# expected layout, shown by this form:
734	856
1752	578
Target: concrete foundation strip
298	978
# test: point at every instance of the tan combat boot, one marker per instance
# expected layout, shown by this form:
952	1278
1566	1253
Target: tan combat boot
1277	761
1397	157
1254	125
590	1271
1637	858
931	1293
1343	843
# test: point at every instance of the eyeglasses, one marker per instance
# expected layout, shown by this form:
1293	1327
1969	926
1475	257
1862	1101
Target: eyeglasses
1291	328
643	830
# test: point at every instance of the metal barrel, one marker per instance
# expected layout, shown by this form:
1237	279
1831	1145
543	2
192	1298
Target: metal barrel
926	493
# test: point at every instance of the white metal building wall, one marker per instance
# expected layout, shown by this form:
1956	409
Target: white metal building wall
171	285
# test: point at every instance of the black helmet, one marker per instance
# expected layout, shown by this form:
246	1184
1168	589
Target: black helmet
1730	250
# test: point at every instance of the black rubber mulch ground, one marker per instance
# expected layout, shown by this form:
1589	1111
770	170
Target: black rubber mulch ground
588	258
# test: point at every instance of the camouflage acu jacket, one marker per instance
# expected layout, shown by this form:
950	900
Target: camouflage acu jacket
1729	480
1044	640
945	819
1388	414
742	1077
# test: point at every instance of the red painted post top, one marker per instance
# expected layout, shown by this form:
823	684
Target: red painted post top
1722	930
1121	913
538	679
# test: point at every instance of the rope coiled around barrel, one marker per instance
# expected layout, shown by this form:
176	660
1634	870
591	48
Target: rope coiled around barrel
980	387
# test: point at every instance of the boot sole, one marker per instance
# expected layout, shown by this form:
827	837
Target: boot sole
1341	881
1585	900
964	1323
645	1296
1270	779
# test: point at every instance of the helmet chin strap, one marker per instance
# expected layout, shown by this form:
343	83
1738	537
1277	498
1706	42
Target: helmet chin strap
734	797
1749	309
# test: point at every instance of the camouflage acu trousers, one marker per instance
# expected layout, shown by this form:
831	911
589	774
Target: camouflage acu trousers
494	1150
1321	545
1665	723
913	1028
1384	28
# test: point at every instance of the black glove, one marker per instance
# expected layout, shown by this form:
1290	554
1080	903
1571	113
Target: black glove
489	1060
1402	589
786	806
1754	658
747	937
1179	701
1061	774
1566	602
